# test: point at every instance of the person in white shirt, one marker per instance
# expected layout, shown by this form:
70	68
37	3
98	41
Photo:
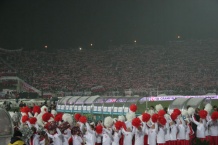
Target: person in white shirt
90	135
181	135
35	138
66	135
128	136
213	131
139	135
56	137
201	127
107	136
116	136
173	133
152	134
188	132
161	134
75	139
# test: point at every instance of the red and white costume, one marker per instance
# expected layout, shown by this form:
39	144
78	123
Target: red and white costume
57	137
213	131
128	136
139	135
107	137
200	133
90	136
161	135
116	137
152	135
173	133
77	140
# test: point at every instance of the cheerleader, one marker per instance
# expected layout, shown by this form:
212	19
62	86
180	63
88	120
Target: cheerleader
66	135
35	138
77	140
213	130
128	136
161	134
200	133
181	131
173	133
139	135
116	137
90	135
167	135
56	137
107	136
188	132
152	134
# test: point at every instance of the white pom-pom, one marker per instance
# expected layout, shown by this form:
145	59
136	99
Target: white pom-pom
121	118
208	108
108	122
130	116
44	109
159	107
184	113
68	118
53	112
191	111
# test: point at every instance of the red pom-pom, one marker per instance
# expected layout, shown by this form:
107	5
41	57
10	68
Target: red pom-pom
136	122
118	125
25	110
25	118
214	115
99	129
77	116
33	120
161	112
177	111
154	118
202	114
133	108
162	120
58	117
124	125
46	117
83	119
173	116
36	109
146	117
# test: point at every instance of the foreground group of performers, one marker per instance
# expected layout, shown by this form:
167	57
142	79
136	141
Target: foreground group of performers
154	127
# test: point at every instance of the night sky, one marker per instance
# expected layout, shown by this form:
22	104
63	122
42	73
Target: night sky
32	24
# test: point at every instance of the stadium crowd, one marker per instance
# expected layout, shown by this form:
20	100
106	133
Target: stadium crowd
179	65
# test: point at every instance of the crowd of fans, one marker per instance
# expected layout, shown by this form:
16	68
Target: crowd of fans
179	65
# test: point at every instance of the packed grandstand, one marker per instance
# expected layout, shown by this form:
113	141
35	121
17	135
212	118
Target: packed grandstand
184	66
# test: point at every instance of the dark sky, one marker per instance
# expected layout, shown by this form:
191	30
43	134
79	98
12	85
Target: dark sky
74	23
